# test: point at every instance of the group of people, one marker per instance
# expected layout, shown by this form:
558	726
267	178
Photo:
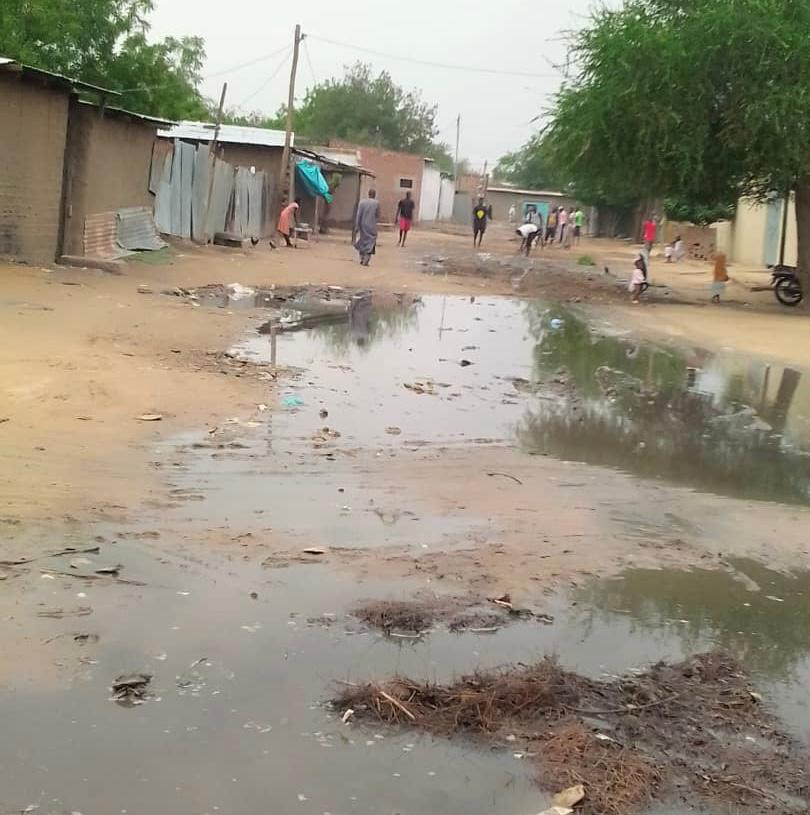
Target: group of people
562	226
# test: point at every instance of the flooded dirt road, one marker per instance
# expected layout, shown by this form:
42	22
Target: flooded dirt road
650	500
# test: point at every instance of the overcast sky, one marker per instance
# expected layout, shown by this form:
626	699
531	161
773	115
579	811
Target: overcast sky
505	35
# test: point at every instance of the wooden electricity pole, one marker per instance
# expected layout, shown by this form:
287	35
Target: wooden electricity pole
285	156
212	162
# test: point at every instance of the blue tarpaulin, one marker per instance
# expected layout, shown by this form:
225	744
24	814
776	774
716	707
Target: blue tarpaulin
312	180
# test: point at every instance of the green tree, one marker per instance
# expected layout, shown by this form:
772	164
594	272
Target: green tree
529	167
367	109
104	42
702	101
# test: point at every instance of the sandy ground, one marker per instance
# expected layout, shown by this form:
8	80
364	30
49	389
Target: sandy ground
85	353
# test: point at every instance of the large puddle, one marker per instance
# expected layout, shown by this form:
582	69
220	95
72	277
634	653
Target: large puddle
244	657
541	378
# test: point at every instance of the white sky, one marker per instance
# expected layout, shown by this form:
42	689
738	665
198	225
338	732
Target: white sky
509	35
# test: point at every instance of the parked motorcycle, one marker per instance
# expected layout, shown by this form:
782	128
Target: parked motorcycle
786	285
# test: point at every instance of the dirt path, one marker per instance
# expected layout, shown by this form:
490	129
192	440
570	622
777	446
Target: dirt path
86	353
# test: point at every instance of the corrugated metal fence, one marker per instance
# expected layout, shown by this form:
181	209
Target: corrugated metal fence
240	197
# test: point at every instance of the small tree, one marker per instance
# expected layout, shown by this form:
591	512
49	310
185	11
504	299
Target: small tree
702	101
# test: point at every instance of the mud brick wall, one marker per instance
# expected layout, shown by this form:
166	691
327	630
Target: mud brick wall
108	162
699	242
33	124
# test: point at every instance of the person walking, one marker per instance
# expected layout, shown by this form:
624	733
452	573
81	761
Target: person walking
650	233
404	215
562	222
482	212
720	276
287	220
365	225
579	222
551	227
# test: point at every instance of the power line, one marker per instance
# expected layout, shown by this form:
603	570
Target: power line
268	80
430	63
309	62
209	76
247	64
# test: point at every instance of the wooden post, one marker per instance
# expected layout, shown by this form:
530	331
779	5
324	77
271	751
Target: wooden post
273	335
356	205
212	159
285	156
316	223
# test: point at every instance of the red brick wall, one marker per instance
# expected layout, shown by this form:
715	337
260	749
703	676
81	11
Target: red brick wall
389	167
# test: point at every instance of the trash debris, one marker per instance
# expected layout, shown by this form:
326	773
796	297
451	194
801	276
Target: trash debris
393	430
79	562
110	570
150	417
239	292
465	363
144	289
323	413
420	387
556	323
347	715
129	690
291	400
314	550
570	797
556	811
506	475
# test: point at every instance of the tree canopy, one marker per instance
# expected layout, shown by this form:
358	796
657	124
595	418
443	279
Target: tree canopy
698	101
365	109
104	42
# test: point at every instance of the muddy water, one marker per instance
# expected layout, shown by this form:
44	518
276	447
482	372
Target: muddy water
717	422
237	721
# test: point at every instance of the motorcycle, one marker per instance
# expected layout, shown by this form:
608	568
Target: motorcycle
786	286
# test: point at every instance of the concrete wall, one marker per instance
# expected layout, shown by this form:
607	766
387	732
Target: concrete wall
390	168
108	163
33	125
447	199
431	188
502	201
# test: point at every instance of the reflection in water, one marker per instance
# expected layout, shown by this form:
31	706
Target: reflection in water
761	616
656	413
367	323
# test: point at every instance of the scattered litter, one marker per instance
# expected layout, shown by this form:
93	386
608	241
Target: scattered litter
239	292
314	550
150	417
144	289
80	561
465	363
110	570
775	599
323	413
570	797
347	715
131	689
556	323
393	430
420	387
302	797
506	475
261	407
292	400
556	811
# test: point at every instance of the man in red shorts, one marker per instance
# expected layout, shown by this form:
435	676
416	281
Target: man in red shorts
405	217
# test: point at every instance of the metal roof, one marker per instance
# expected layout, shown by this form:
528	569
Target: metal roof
536	193
127	114
323	156
228	134
65	82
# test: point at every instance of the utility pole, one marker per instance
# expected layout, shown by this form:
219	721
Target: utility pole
212	160
285	156
458	139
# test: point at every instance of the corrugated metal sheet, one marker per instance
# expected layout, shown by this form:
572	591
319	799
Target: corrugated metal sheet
228	134
199	192
100	237
136	230
221	195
